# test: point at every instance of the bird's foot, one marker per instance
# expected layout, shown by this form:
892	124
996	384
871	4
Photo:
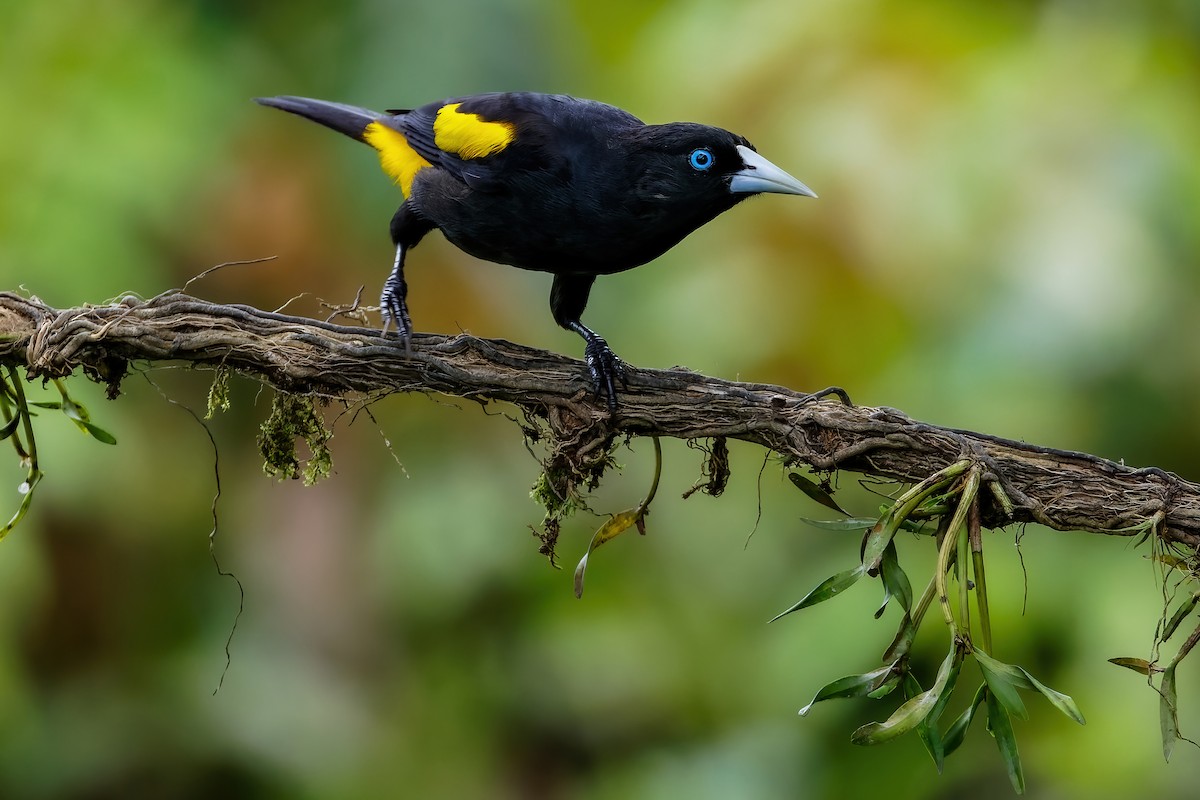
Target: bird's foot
395	311
605	368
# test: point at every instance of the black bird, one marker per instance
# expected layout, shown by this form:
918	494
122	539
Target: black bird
551	183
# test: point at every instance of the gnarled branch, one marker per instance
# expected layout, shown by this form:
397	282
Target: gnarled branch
1060	489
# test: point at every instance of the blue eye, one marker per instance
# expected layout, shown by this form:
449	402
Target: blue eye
701	159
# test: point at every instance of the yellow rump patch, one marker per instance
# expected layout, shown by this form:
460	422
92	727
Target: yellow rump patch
469	135
396	155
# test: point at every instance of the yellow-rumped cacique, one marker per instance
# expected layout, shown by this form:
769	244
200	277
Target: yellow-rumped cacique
551	183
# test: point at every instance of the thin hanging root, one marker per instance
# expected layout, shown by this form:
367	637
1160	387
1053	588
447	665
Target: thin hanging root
645	506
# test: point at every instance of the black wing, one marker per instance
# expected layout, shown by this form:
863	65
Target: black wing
488	140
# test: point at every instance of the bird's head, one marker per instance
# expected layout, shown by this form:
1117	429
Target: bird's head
707	169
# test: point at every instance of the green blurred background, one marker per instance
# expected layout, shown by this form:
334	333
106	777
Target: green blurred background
1006	240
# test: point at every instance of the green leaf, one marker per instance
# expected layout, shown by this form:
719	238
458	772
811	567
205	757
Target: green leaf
938	752
815	491
848	524
911	712
10	427
1003	680
903	642
611	529
851	686
830	587
1168	712
1185	608
74	410
1137	665
26	489
1061	701
957	731
885	688
1008	678
52	404
926	731
949	683
895	582
98	433
878	538
1001	729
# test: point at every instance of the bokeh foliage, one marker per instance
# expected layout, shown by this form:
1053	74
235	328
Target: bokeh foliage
1006	240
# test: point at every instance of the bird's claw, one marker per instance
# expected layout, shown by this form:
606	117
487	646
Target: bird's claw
395	311
606	369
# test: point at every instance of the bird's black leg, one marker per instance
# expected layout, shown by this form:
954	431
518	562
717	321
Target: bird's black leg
568	298
393	301
407	230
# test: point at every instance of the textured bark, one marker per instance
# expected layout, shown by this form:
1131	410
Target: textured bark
1060	489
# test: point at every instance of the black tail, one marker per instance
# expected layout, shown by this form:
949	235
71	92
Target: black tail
350	120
